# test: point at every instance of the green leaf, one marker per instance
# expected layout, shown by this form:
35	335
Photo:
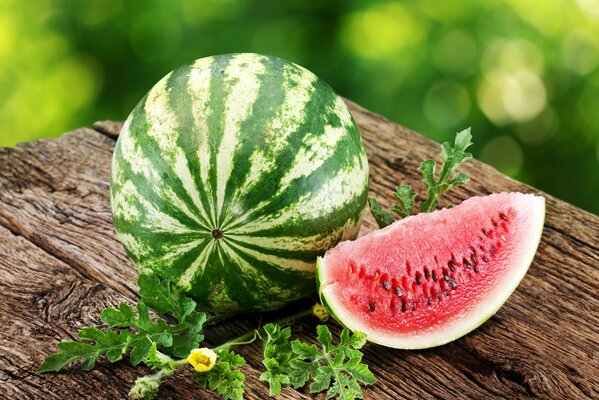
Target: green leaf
405	197
335	368
110	344
322	379
177	340
188	336
300	372
140	346
225	378
324	336
136	333
162	297
451	155
303	350
277	354
157	360
382	217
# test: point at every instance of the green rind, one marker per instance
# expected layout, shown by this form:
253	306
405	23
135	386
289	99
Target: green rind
249	145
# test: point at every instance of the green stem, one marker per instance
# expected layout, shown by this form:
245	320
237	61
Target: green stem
253	333
219	317
240	340
177	363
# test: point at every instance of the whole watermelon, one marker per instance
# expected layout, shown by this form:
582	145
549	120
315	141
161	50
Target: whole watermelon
232	175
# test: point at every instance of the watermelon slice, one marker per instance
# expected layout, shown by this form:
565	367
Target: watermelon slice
431	278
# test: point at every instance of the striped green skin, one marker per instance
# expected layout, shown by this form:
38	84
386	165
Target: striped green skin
252	146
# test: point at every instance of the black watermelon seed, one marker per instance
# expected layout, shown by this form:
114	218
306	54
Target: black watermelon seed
418	280
485	259
446	277
439	296
403	306
434	277
473	258
452	283
466	263
475	269
386	285
451	265
493	249
426	273
503	216
398	291
428	301
485	232
372	306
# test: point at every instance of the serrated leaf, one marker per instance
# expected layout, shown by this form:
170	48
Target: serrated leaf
330	367
360	371
140	346
300	372
405	196
163	298
452	156
355	340
322	380
324	336
382	217
225	378
155	359
124	316
458	179
188	337
110	344
304	350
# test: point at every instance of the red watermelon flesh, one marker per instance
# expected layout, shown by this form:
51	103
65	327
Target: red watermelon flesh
431	278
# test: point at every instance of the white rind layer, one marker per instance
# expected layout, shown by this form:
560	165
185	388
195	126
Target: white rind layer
467	322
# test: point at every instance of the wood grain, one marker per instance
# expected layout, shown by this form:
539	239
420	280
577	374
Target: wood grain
60	264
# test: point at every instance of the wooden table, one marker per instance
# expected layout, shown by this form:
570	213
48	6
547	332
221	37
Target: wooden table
61	263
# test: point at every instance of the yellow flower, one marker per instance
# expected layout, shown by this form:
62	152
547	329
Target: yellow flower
202	359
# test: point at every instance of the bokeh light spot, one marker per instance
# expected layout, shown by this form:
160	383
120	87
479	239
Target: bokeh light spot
540	129
590	8
580	51
504	153
446	104
507	97
511	55
380	31
512	89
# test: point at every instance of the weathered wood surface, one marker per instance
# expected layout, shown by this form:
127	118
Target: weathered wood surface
60	264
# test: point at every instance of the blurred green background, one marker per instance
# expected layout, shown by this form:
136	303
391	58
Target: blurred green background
523	74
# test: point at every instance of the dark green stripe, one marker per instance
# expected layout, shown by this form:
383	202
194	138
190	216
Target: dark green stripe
301	255
150	150
180	103
314	123
254	131
220	89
